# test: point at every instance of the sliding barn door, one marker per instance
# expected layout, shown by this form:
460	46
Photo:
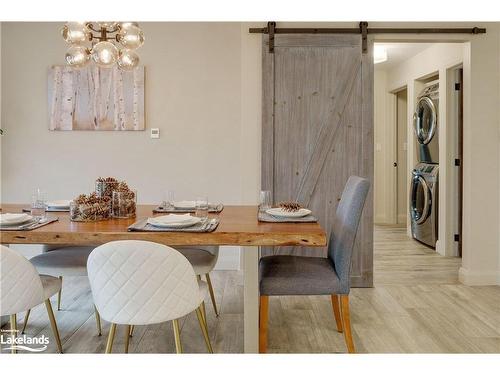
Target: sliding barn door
318	130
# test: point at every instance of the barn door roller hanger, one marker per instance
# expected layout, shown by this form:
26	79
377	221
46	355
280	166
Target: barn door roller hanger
363	29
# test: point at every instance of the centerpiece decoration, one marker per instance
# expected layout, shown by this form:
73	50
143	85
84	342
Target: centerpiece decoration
90	208
111	198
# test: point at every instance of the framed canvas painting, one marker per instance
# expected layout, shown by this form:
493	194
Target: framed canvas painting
94	98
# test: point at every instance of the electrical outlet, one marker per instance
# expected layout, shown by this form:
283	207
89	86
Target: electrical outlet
155	133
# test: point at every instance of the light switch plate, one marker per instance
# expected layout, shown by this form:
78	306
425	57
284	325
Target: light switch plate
155	133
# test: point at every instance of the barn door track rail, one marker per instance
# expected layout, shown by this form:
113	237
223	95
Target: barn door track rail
363	29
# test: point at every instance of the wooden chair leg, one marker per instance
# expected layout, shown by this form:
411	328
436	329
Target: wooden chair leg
336	311
346	321
263	319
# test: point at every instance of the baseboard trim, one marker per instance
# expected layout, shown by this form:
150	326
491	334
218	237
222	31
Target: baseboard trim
467	277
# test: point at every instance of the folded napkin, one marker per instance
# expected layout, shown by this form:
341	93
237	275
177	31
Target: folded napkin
30	225
212	208
172	219
202	227
267	218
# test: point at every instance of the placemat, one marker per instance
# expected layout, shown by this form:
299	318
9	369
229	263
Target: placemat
49	209
33	224
265	217
213	209
143	226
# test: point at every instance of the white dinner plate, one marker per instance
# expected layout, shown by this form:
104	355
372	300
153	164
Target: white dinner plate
185	204
14	219
59	203
173	221
279	212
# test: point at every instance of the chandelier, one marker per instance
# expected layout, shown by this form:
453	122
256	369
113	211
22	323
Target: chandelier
110	43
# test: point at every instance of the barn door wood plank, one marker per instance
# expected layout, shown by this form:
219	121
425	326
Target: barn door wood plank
326	138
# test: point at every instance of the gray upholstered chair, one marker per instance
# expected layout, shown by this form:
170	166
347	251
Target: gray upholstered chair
203	260
59	261
282	275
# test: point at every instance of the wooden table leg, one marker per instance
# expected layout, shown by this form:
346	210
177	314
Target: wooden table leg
251	298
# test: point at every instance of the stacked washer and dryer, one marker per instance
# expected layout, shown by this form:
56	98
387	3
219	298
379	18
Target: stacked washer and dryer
424	179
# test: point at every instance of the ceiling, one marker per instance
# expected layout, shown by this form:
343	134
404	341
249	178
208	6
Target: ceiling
399	52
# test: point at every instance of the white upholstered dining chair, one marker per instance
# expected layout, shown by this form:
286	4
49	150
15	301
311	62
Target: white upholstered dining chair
141	283
22	288
62	261
203	260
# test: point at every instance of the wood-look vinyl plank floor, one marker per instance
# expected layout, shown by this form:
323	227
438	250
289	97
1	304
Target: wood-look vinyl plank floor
417	305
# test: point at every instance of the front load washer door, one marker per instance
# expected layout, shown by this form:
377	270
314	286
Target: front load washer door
425	120
420	200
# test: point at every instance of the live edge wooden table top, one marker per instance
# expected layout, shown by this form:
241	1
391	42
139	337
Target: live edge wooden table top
238	226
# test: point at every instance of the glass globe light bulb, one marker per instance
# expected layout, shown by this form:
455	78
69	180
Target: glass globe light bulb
75	32
124	25
105	54
128	59
131	37
77	56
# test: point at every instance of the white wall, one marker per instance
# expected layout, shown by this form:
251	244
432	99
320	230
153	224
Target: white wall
203	86
384	143
193	95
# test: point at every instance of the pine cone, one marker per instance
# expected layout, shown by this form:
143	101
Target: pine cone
290	206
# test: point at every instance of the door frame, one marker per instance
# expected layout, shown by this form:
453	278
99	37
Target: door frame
392	205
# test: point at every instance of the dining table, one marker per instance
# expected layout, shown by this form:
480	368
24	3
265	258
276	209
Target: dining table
238	226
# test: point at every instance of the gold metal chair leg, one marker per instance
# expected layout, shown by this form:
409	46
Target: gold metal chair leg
98	322
53	323
111	337
131	331
13	328
127	337
212	295
26	317
203	327
177	335
204	313
59	296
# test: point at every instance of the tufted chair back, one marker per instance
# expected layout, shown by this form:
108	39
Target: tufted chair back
20	285
141	282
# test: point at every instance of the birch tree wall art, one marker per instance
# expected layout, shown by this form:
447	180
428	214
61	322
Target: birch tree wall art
94	98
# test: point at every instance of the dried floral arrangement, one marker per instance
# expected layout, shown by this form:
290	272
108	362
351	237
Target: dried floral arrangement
290	206
90	208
